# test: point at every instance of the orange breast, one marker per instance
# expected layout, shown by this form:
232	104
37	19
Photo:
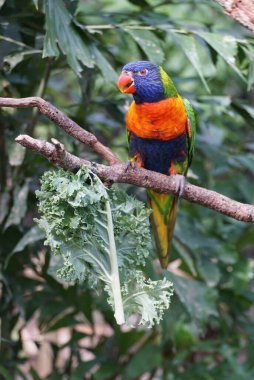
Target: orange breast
163	120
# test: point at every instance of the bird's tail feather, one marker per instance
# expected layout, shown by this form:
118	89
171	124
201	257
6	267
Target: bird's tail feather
163	220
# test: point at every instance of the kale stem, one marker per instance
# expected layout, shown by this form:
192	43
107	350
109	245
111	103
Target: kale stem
116	290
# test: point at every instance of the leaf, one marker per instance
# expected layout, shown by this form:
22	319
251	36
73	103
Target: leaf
126	339
32	236
186	254
193	238
208	270
34	374
62	320
107	370
82	368
149	43
191	49
140	3
20	205
245	161
249	51
15	42
77	217
183	336
36	4
2	3
251	74
6	374
4	205
12	60
20	373
225	46
249	109
104	65
137	365
61	34
221	103
16	154
146	298
196	297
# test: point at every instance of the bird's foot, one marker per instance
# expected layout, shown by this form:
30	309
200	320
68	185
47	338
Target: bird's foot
130	165
180	184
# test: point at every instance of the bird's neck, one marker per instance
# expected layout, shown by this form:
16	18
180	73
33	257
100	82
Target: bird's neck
164	90
169	88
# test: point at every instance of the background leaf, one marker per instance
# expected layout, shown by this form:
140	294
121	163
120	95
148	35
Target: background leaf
225	46
33	235
148	43
104	65
192	51
61	32
137	366
19	207
200	301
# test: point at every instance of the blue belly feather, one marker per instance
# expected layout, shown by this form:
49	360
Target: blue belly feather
156	154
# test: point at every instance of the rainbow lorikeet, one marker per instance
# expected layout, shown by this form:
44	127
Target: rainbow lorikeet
161	127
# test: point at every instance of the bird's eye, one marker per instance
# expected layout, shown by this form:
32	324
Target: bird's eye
143	72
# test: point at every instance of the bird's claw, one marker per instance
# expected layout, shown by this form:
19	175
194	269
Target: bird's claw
180	184
130	165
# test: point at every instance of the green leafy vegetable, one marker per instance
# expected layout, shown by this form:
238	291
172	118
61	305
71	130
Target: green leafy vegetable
148	298
102	237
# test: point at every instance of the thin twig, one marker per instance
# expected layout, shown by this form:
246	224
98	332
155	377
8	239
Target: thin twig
143	178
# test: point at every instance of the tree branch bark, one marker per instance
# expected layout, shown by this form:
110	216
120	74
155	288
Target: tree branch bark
240	10
68	125
140	177
118	172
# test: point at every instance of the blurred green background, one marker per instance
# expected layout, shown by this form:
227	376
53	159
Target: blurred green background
70	53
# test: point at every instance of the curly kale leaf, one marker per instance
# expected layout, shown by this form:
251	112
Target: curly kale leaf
146	298
71	219
100	234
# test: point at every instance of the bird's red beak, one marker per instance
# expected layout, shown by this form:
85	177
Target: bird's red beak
126	84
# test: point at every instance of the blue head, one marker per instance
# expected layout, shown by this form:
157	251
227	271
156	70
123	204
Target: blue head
144	80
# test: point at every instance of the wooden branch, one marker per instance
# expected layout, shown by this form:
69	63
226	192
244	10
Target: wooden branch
240	10
141	177
56	153
63	122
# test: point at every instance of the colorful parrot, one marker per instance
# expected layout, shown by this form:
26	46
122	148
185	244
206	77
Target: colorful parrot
161	129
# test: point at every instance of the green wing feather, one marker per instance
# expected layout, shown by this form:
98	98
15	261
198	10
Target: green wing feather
191	131
163	219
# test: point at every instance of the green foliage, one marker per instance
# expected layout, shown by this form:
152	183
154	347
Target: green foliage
75	220
60	31
208	331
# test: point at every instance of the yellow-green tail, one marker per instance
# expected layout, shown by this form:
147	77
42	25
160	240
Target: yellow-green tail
163	220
